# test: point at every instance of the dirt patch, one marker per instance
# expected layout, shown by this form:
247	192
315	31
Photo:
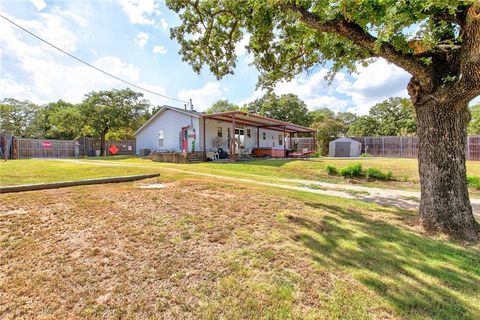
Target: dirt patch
180	252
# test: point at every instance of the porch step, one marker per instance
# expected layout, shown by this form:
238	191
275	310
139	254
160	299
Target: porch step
193	158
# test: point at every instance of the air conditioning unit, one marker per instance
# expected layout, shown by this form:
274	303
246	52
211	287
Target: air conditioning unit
144	152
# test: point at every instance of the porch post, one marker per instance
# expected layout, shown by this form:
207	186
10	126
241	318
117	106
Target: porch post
258	137
290	137
314	141
284	142
232	142
204	145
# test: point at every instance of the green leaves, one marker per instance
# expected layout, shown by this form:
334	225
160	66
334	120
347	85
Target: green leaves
391	117
287	107
114	109
288	37
474	124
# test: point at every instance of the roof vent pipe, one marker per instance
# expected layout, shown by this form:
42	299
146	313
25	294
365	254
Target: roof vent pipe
185	106
191	105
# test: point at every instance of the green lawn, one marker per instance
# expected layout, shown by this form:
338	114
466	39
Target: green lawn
29	171
405	171
200	249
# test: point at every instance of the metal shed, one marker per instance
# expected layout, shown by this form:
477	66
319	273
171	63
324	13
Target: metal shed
344	147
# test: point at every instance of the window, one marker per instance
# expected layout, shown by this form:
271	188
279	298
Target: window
280	139
249	133
160	138
264	135
219	132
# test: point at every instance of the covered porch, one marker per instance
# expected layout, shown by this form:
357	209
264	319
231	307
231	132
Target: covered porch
255	136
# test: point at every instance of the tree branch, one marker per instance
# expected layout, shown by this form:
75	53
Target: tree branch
470	53
363	39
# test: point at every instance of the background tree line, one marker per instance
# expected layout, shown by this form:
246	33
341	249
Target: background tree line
112	114
117	114
391	117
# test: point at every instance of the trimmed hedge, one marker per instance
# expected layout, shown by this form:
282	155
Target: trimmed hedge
352	171
356	171
331	169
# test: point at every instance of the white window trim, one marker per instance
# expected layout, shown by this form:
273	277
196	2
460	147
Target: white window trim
161	137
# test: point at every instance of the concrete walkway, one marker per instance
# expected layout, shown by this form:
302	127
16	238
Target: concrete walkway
389	197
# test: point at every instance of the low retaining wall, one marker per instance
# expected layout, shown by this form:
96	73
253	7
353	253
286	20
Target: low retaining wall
171	157
176	157
64	184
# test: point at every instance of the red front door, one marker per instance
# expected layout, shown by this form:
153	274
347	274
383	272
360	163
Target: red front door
185	139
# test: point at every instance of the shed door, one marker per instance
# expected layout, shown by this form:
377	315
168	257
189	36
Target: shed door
342	149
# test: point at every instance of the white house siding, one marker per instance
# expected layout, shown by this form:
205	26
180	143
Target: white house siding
271	138
171	122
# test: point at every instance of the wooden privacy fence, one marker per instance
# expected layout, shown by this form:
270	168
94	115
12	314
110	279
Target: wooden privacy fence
35	148
301	143
407	147
89	147
22	148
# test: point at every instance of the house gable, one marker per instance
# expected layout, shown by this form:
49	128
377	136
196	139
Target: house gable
167	123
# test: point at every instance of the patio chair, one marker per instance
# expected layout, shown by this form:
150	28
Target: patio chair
247	153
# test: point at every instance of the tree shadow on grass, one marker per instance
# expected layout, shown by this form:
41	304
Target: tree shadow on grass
418	276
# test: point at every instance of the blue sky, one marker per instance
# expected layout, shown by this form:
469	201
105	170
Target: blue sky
130	38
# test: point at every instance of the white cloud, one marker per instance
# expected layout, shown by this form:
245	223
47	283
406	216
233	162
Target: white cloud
155	99
159	50
52	27
140	11
203	97
358	93
373	84
39	4
163	24
141	40
331	102
240	49
37	73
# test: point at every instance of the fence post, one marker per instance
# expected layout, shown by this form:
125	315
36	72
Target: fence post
401	147
468	148
383	146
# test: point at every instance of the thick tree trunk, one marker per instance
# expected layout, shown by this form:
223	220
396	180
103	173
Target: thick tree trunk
102	144
442	132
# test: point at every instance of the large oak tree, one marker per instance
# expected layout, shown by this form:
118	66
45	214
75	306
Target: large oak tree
104	111
436	41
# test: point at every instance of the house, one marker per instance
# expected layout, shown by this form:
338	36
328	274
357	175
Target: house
182	131
344	147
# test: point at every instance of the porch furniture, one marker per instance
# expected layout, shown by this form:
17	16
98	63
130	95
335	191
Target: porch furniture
211	155
301	154
269	152
222	154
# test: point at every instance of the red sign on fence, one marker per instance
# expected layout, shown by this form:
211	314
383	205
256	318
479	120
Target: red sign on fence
113	149
47	144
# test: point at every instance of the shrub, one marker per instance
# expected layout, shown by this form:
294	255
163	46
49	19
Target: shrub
331	169
474	182
365	155
354	170
374	173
